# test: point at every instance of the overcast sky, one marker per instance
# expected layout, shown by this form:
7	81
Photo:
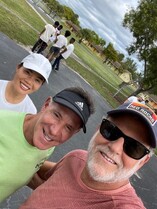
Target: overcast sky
105	18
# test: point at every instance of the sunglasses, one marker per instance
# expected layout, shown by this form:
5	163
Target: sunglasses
131	147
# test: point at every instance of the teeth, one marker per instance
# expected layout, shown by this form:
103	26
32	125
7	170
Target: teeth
24	86
108	159
48	138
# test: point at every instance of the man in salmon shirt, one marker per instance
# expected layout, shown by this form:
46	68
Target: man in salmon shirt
99	178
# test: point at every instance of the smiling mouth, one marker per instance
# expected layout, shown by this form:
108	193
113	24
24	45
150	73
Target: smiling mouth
24	87
48	138
107	158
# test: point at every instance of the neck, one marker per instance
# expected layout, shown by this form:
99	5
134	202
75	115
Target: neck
11	95
103	186
28	127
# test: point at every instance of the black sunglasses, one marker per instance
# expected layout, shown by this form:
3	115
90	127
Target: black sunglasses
131	147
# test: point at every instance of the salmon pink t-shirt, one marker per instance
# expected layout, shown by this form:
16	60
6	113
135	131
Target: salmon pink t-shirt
65	190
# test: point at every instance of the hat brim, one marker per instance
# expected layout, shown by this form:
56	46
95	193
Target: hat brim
66	103
34	68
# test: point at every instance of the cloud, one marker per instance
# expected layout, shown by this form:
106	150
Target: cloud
105	18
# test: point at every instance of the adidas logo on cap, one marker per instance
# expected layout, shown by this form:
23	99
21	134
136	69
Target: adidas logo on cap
80	105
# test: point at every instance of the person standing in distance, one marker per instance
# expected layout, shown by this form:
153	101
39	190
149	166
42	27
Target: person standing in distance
64	54
44	37
59	44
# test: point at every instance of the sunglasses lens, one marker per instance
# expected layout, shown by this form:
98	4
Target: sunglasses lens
108	130
132	148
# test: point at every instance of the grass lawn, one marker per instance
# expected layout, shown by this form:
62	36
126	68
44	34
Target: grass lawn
21	23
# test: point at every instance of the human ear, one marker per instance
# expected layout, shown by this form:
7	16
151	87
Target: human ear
144	160
47	103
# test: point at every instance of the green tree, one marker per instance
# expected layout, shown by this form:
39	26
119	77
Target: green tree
120	57
86	34
102	42
151	78
54	7
97	40
70	15
95	37
142	22
91	36
62	11
131	66
111	53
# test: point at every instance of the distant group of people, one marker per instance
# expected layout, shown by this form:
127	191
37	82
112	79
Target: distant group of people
60	48
97	178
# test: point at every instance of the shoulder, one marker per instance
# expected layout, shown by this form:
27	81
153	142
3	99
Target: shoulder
48	25
79	154
71	46
60	36
127	198
76	154
3	84
3	81
132	99
30	107
73	160
9	115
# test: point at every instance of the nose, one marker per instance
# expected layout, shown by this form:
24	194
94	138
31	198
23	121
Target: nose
117	146
56	129
29	79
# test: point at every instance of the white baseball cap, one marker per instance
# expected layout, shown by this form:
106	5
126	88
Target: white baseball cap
39	64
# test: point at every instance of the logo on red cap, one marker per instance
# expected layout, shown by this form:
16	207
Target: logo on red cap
145	111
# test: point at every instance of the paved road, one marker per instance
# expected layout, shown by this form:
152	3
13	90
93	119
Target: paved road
10	55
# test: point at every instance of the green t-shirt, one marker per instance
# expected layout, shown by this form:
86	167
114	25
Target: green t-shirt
18	159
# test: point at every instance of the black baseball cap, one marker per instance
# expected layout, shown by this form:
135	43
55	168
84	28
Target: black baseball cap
75	102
